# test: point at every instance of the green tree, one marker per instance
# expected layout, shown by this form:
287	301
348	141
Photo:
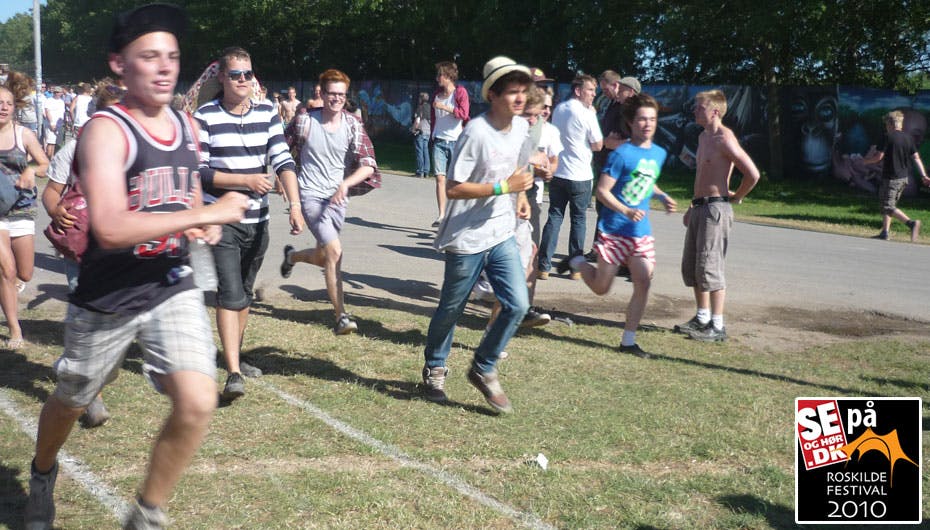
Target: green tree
16	45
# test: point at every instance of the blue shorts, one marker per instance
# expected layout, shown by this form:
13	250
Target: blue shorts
442	154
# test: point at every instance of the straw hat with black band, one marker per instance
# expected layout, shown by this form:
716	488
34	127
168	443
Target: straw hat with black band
497	68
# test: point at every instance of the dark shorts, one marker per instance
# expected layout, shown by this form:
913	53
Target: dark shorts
704	255
889	193
238	257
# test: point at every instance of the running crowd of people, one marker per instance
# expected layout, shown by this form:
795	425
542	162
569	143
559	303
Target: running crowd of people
163	175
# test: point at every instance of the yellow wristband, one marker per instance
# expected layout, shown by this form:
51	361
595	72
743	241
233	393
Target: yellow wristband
505	187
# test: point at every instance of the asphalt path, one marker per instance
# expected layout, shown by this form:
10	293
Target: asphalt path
389	260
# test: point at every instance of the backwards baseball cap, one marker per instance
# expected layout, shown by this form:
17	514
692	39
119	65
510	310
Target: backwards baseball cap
632	82
130	25
539	76
497	68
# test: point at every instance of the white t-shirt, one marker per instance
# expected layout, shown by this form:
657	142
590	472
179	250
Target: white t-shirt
551	143
59	169
578	129
56	110
80	109
482	155
447	127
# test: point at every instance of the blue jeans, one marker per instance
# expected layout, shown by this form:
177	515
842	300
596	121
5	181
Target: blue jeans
442	154
421	146
576	194
502	265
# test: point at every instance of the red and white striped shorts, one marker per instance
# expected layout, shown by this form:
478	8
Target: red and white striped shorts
616	250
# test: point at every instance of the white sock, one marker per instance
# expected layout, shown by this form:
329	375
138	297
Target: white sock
718	321
703	315
575	263
629	338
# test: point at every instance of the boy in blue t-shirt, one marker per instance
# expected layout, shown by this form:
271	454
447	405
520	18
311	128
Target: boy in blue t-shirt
627	183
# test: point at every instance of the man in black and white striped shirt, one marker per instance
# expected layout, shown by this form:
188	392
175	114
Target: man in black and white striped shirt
239	137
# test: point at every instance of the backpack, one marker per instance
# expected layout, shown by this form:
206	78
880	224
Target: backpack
71	242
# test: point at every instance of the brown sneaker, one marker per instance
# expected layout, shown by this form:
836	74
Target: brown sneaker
576	276
489	385
434	379
915	230
542	275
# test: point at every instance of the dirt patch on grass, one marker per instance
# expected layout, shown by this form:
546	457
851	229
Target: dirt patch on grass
767	328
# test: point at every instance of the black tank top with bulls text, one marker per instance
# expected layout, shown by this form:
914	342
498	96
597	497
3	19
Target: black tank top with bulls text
161	176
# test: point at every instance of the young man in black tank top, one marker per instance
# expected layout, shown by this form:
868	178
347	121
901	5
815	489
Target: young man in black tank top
138	284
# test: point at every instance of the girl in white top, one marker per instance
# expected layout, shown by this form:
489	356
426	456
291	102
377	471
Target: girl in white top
17	232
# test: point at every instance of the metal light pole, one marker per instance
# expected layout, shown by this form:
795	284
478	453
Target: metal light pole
37	46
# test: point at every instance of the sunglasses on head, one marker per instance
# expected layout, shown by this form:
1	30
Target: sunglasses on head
235	75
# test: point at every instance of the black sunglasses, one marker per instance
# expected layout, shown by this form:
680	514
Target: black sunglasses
235	75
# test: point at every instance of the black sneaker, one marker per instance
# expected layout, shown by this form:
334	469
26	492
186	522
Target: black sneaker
624	272
235	387
95	415
591	256
691	326
535	319
286	265
434	381
565	265
709	334
636	350
882	235
345	325
40	507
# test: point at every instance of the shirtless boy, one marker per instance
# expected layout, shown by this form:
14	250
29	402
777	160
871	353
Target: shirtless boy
710	216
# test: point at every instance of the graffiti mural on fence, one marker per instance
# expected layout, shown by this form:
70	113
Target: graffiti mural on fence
861	132
678	134
810	125
826	132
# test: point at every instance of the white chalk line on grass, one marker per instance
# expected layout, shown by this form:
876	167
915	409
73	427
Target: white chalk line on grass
77	470
80	472
529	520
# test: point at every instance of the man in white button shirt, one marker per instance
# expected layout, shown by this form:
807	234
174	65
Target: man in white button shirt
571	185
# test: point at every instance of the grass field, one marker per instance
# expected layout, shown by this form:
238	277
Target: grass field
335	435
699	437
824	206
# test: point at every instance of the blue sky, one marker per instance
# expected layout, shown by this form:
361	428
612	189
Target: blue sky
8	8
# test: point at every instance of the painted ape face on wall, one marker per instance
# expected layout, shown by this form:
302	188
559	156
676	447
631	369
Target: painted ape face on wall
813	115
915	124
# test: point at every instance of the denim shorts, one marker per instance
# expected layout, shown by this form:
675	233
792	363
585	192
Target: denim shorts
238	257
175	336
442	154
